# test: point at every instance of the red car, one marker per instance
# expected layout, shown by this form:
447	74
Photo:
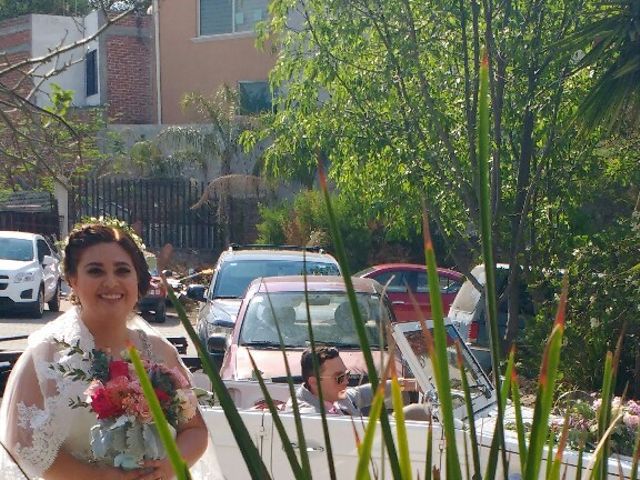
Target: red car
404	276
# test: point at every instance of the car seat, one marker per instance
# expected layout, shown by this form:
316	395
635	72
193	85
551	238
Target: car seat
286	316
343	316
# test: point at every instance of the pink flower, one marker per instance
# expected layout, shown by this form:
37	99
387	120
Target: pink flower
136	405
118	368
162	395
93	387
103	404
631	421
633	407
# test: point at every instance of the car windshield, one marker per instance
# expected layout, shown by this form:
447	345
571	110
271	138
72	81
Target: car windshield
17	249
418	363
330	314
234	277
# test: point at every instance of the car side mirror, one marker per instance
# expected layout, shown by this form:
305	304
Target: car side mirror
217	344
196	292
48	260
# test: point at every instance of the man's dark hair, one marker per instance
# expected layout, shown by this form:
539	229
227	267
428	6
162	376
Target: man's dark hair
322	354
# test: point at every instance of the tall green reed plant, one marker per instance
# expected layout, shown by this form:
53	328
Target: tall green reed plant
531	451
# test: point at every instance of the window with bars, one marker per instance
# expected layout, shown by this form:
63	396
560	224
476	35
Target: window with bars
231	16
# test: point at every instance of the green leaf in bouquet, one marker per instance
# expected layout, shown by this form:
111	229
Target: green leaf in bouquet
126	461
135	440
164	429
100	441
152	444
118	431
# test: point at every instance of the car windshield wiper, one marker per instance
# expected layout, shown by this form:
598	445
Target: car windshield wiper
225	297
261	343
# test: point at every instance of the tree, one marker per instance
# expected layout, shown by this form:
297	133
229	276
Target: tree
39	142
387	92
12	8
611	38
216	140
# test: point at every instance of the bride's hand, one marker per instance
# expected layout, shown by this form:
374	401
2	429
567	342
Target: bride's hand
157	470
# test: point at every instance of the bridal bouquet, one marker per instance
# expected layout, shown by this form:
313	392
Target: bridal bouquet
124	434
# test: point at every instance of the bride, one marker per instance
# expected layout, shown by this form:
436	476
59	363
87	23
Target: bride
38	427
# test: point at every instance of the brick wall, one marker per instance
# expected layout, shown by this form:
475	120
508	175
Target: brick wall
15	45
130	71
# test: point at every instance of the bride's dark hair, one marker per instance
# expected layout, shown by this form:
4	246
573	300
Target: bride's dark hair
95	233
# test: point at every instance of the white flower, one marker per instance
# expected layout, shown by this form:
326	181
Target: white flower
595	323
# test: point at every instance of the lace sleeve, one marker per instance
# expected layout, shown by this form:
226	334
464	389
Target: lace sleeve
34	414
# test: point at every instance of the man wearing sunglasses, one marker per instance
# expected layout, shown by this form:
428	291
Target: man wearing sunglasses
338	397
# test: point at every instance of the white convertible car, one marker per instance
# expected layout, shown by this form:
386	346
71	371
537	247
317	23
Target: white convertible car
408	337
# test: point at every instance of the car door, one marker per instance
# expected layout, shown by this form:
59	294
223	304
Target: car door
50	271
398	282
345	432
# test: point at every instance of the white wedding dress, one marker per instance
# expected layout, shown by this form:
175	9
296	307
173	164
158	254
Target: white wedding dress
36	419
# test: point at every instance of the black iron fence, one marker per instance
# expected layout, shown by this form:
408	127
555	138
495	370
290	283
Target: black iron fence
44	223
160	209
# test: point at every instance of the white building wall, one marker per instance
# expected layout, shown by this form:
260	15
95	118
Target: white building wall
53	30
92	23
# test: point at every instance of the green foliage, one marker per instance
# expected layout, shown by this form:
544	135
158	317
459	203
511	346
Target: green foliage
611	38
390	95
13	8
303	221
605	294
273	220
64	142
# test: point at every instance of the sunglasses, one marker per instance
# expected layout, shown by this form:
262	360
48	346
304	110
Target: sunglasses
341	378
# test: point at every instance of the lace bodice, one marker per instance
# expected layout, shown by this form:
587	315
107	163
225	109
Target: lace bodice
36	418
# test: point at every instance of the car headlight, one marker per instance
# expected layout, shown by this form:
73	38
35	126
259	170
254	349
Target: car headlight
27	276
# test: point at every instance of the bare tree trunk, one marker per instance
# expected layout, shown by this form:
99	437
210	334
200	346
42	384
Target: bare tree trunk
519	216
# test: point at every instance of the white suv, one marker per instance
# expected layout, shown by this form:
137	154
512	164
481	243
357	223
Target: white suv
29	273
